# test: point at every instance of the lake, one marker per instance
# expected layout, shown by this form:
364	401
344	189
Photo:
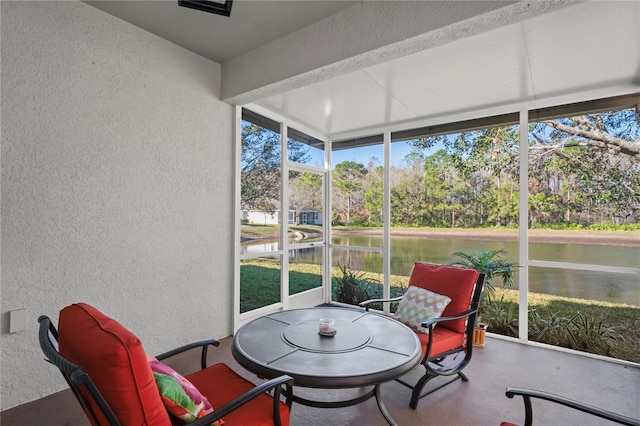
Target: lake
405	251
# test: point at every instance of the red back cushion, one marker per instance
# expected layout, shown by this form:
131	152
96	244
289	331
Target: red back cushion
452	281
116	362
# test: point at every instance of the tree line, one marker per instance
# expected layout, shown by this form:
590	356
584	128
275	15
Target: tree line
583	171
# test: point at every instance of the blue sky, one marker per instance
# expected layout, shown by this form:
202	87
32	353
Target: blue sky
399	151
363	155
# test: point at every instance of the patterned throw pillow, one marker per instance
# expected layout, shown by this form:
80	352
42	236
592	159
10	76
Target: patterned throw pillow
419	305
179	396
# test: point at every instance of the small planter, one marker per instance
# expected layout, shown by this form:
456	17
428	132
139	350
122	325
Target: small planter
479	333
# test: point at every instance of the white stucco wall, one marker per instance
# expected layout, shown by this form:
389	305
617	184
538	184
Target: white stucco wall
117	184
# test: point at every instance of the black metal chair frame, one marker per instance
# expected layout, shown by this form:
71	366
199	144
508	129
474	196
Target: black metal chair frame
527	394
433	364
78	379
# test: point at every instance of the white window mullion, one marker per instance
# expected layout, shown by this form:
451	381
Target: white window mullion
284	218
326	224
386	221
237	137
523	245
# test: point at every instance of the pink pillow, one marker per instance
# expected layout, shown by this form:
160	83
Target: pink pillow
178	394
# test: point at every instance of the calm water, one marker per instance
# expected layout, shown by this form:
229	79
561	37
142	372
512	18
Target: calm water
581	284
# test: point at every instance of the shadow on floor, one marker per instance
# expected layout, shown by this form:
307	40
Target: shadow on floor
481	401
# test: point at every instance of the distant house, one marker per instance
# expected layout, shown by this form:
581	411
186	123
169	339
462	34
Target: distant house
304	216
261	218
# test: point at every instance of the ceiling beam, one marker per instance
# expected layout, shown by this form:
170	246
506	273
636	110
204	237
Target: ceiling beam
364	35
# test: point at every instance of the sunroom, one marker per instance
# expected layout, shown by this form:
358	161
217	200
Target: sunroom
383	115
122	159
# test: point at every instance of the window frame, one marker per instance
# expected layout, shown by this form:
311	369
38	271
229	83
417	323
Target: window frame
521	113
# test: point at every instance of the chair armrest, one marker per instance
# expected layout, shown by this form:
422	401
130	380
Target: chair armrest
434	321
204	344
527	394
366	303
273	384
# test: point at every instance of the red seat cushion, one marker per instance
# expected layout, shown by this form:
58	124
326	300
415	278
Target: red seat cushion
116	362
220	384
452	281
443	340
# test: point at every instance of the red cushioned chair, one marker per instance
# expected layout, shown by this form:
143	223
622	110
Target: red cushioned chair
454	332
527	394
109	372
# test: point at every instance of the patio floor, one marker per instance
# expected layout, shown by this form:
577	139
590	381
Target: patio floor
481	401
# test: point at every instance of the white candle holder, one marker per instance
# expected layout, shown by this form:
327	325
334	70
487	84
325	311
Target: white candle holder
327	327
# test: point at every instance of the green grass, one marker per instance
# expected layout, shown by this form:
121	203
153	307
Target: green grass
611	329
274	230
260	281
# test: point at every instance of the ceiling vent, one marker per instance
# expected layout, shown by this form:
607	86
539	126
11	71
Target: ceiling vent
219	7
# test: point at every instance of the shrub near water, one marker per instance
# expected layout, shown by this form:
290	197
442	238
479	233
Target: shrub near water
601	328
350	287
354	287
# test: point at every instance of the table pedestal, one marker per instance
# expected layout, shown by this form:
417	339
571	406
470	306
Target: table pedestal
339	404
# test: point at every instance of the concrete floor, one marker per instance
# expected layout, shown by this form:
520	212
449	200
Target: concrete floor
481	401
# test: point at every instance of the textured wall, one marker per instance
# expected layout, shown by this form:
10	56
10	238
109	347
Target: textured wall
117	184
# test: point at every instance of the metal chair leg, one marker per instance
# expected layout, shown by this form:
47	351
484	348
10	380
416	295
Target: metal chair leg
417	390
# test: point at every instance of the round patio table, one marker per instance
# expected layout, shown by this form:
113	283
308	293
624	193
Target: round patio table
368	349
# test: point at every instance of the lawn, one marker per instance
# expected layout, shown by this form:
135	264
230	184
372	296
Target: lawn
599	327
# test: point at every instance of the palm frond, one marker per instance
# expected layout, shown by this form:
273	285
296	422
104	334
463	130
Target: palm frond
489	262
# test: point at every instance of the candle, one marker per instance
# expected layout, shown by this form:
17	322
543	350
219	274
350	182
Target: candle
327	325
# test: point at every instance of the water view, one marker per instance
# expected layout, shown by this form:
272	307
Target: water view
620	288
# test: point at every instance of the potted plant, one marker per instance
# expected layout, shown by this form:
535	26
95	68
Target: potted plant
494	266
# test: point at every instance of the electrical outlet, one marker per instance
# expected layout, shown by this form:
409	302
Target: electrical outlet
17	320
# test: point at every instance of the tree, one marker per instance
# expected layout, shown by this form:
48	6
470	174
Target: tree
584	168
408	204
260	166
542	207
373	194
438	185
347	180
598	159
599	131
479	177
305	190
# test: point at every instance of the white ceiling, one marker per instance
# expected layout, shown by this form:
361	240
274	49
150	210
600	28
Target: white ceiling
575	48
